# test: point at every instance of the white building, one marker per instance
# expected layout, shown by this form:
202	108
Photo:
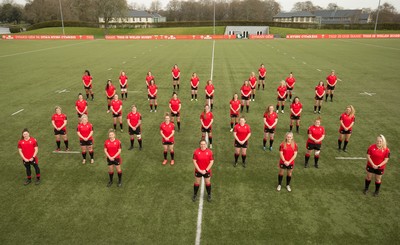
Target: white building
134	18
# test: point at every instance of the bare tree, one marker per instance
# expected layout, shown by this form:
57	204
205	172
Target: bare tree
155	6
305	6
108	9
333	6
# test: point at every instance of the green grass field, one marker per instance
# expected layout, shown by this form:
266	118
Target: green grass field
73	204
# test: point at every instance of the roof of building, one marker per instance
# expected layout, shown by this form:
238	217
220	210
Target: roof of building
341	13
141	14
294	14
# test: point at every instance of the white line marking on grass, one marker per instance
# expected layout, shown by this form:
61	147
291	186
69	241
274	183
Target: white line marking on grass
340	80
284	53
369	94
304	63
123	62
109	69
319	70
350	158
62	91
293	57
17	112
66	152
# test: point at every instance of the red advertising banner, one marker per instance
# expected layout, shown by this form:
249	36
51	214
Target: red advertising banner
340	36
261	36
48	37
168	37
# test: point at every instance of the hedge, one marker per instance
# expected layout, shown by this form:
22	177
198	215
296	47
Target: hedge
57	23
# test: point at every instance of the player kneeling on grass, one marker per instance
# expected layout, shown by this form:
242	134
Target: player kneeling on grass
134	120
287	152
59	121
203	161
241	133
28	150
85	133
347	120
316	134
377	157
112	149
167	131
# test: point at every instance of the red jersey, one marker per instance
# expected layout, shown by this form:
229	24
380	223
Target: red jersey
319	90
210	89
203	158
59	120
116	105
235	104
194	82
28	147
242	131
290	81
123	80
175	72
245	90
175	104
84	130
270	118
206	118
316	133
112	147
288	152
281	91
148	79
152	89
134	118
86	80
347	120
262	72
377	155
331	79
81	105
296	107
110	91
253	82
167	129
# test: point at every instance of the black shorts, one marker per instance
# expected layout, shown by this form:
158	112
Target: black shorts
133	132
375	171
269	130
152	98
123	86
117	161
89	87
234	115
293	117
168	143
199	175
311	146
280	99
319	98
194	88
289	88
342	131
261	78
283	166
110	98
58	132
245	97
237	145
35	161
175	114
117	115
329	87
205	130
253	87
209	97
86	143
175	78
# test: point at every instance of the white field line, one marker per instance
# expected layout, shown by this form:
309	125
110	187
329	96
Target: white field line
109	69
304	63
340	80
17	112
66	152
293	57
319	70
369	94
350	158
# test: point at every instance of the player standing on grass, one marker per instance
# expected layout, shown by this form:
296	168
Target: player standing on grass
149	77
245	90
123	83
203	161
28	150
234	110
59	122
262	73
134	120
290	82
316	134
87	80
112	149
347	120
116	108
241	133
207	119
167	131
319	96
288	152
331	81
295	108
270	121
175	106
85	133
209	94
176	74
152	95
110	92
378	155
81	106
281	90
194	83
253	84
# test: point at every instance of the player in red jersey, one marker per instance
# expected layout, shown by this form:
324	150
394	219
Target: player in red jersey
87	81
134	120
123	83
167	131
316	134
210	94
175	107
176	74
290	82
194	84
203	161
28	150
207	119
81	106
152	94
112	149
110	92
281	90
116	109
347	120
288	152
253	84
234	110
331	81
270	121
319	96
85	133
59	122
245	90
378	155
149	77
295	108
262	73
242	133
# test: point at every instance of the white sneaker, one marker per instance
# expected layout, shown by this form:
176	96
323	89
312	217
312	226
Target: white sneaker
210	146
231	130
279	188
196	99
282	111
277	111
191	99
151	110
253	100
155	110
288	188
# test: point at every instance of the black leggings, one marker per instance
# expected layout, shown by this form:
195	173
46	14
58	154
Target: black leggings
28	169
